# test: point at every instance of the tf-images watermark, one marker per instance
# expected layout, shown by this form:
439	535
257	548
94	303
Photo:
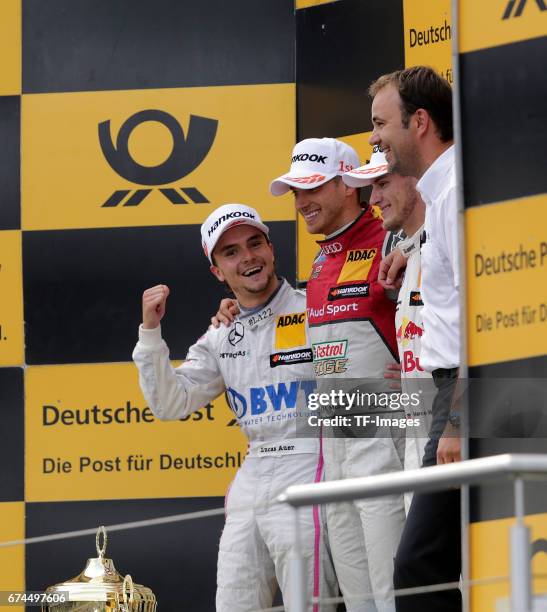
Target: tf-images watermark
338	408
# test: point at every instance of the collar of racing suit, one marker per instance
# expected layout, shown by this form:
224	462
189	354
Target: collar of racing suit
245	312
257	317
412	243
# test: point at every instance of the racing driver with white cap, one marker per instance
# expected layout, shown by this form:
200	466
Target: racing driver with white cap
352	330
264	364
403	209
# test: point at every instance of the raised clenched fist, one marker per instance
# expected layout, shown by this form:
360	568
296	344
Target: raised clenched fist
153	305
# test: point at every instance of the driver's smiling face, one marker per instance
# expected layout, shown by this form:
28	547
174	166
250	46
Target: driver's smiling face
244	259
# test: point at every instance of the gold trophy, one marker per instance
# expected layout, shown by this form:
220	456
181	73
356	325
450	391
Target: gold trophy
99	588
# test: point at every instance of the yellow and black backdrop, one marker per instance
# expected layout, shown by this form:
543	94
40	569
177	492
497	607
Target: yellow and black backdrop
504	133
123	124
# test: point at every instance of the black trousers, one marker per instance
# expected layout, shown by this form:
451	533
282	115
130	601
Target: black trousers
430	547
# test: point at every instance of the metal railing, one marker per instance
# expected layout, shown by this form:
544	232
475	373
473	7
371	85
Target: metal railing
435	478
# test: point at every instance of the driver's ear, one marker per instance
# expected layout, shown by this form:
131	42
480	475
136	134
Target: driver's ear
217	272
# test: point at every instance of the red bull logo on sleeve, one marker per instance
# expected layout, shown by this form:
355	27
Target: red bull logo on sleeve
411	362
408	330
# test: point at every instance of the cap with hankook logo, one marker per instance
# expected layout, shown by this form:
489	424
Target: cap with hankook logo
224	218
314	162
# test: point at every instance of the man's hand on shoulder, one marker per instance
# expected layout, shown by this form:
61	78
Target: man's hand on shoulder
153	306
226	314
392	268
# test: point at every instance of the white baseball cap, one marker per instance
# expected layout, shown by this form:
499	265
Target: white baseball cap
225	217
363	176
314	162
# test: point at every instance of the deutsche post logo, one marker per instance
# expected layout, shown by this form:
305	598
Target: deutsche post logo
187	154
518	6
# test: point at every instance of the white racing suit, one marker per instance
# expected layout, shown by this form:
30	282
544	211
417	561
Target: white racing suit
352	329
414	379
264	363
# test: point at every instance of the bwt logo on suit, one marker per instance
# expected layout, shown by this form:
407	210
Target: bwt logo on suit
187	154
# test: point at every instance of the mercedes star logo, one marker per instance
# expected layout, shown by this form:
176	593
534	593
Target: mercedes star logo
236	334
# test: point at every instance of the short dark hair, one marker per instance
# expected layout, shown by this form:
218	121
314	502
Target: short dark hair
421	87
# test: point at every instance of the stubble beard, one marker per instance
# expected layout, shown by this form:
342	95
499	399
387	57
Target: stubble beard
407	166
261	288
396	224
406	160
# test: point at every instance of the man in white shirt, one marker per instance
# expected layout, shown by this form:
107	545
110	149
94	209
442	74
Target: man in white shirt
412	119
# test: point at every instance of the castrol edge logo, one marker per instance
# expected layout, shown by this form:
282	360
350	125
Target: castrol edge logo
329	350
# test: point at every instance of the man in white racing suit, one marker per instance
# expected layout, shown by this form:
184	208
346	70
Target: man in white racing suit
264	364
403	208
